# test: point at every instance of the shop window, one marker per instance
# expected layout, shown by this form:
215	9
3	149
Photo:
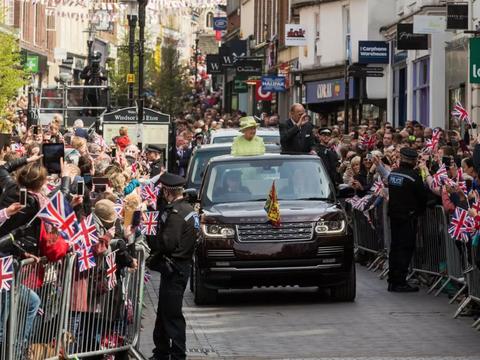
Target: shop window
209	20
400	96
421	91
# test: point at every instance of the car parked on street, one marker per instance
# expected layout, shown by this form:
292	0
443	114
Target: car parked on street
239	248
269	135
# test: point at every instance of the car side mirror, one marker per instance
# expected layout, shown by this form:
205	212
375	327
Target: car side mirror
191	195
345	192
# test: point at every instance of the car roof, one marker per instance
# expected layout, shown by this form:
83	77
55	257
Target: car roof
224	146
269	156
235	131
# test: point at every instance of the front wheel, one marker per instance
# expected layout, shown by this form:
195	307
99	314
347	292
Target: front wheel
348	290
201	294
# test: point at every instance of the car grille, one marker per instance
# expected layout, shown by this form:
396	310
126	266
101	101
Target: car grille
329	250
227	253
287	232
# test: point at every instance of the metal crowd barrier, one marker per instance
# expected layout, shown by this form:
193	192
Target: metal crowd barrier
436	253
53	310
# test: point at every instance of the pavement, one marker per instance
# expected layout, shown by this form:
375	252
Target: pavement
296	323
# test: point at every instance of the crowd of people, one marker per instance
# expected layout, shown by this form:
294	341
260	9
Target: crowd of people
419	165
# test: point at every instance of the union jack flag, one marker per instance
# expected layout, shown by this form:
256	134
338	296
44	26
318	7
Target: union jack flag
86	260
6	273
461	225
147	277
118	207
149	223
378	187
59	213
87	235
461	113
440	176
476	205
149	193
359	203
432	143
459	174
111	270
369	142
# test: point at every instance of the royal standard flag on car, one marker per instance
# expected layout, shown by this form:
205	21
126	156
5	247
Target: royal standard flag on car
272	207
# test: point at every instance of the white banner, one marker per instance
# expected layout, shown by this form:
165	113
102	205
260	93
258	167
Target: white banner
295	35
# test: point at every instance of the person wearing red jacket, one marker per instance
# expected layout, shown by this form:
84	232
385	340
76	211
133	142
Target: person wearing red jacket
123	140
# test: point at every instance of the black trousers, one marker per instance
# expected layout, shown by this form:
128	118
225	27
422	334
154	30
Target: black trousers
404	233
169	334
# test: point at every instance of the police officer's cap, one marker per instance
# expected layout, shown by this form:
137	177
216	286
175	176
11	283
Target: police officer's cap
154	148
171	181
408	153
325	131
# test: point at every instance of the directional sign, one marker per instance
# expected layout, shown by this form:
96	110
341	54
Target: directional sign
365	68
365	74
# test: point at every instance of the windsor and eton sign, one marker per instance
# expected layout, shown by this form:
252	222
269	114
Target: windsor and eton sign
130	115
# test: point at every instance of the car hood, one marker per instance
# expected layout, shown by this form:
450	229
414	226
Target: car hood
254	212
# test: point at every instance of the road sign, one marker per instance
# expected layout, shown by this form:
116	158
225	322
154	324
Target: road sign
130	78
365	74
365	68
474	61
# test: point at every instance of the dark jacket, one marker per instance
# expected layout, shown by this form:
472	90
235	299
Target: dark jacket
407	193
296	140
330	161
178	231
181	162
156	167
476	158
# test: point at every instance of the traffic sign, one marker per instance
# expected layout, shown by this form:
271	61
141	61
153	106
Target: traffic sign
365	68
365	74
130	78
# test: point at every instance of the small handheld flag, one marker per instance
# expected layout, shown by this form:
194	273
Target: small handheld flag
86	260
461	113
6	273
149	223
111	270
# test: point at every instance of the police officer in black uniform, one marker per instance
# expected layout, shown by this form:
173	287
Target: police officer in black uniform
155	158
328	156
175	242
407	200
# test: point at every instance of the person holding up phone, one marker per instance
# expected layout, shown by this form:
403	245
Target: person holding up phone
296	134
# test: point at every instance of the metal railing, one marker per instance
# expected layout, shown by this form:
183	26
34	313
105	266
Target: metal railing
443	260
54	310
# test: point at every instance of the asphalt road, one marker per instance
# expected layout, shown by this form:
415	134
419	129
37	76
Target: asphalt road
295	323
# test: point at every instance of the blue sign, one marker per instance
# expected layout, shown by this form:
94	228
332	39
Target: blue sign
373	52
327	90
220	23
273	83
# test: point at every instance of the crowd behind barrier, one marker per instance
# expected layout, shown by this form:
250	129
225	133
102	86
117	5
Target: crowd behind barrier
77	314
439	261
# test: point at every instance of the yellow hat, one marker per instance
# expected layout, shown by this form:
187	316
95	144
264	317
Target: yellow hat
247	122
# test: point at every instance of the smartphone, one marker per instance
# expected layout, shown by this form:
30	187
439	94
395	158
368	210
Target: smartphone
80	188
52	153
137	217
369	156
23	197
114	152
35	130
100	184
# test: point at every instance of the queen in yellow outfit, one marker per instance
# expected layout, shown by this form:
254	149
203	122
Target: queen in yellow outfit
248	144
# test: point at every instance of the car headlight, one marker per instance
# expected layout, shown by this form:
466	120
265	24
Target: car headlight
330	227
218	231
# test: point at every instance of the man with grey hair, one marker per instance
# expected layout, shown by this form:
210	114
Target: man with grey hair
296	134
78	129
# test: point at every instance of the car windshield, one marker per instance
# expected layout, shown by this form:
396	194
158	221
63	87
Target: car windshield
267	139
200	161
302	179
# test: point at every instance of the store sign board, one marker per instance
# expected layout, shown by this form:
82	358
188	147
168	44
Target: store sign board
429	24
474	61
373	52
273	83
295	35
408	40
457	16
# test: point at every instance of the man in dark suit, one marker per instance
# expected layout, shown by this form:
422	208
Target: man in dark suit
182	157
296	134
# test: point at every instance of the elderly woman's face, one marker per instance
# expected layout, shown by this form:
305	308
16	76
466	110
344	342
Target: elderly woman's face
249	133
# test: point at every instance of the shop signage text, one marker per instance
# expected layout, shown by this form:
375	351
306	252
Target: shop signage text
373	52
408	40
457	16
249	67
474	60
273	83
295	35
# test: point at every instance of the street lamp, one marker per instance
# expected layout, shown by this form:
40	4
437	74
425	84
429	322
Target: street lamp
132	15
142	4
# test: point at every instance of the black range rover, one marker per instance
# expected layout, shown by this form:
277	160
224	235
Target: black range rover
239	248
